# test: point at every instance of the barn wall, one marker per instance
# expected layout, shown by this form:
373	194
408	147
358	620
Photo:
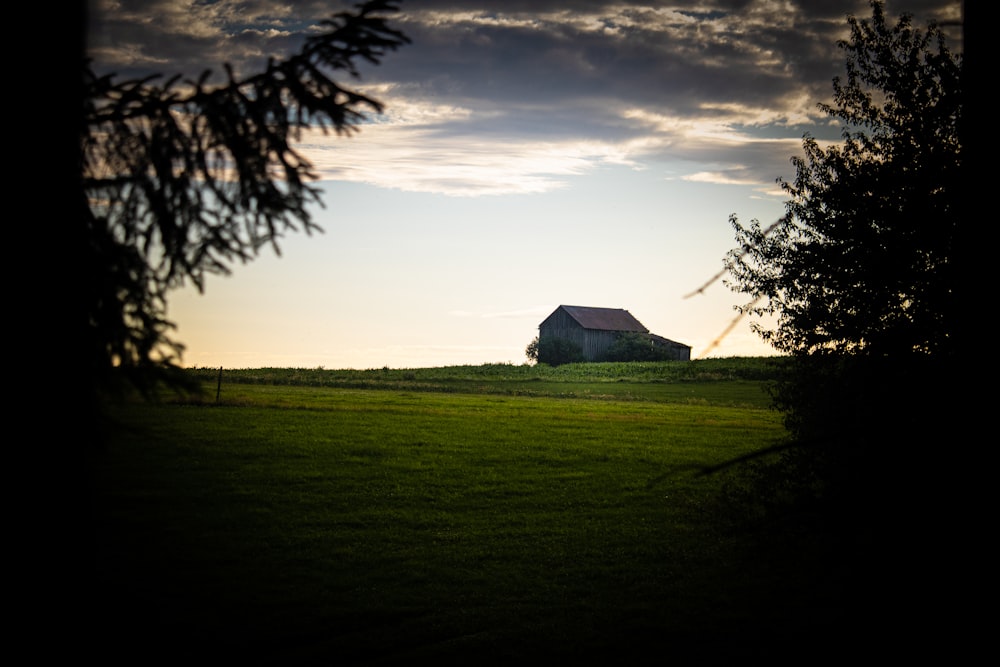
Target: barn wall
677	351
593	342
596	343
680	352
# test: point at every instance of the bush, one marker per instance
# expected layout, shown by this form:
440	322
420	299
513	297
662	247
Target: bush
554	351
636	347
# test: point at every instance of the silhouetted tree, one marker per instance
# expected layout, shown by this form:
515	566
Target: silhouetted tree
182	178
861	271
862	274
531	352
862	260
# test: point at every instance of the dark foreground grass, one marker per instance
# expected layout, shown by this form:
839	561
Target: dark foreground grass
304	525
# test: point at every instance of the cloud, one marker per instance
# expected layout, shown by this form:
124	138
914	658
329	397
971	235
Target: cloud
519	97
439	149
166	37
417	158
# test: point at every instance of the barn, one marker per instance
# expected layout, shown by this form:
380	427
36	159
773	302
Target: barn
596	329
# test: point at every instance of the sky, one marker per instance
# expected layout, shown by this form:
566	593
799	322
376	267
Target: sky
531	154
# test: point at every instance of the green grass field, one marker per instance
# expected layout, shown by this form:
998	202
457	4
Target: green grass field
478	515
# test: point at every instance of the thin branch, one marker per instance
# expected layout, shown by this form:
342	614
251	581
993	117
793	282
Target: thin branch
711	281
732	325
743	311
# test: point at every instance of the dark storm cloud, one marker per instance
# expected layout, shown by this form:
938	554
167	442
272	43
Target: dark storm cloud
651	75
681	56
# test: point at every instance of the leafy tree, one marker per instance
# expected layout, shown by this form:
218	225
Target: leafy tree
554	351
861	271
862	275
182	178
862	260
531	352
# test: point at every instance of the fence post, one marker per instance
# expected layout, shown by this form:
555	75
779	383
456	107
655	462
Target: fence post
218	387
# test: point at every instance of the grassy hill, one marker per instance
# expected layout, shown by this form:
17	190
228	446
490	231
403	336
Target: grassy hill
726	380
490	514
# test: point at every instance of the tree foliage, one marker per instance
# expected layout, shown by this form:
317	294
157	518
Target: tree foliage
861	271
183	178
863	260
554	351
630	346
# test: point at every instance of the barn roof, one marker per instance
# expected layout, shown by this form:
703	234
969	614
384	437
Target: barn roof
604	319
